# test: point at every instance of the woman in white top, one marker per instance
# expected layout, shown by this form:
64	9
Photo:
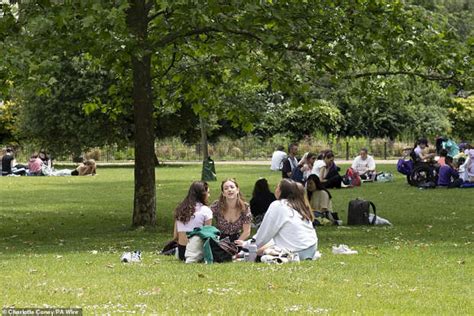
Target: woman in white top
364	164
191	213
306	164
288	222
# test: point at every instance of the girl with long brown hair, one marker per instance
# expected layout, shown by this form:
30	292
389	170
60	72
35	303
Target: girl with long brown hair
288	222
191	213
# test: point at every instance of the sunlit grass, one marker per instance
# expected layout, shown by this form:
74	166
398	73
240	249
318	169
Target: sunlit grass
61	241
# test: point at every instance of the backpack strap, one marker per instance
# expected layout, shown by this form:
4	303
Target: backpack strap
375	212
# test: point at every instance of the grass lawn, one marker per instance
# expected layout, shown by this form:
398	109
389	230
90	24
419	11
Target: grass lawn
61	240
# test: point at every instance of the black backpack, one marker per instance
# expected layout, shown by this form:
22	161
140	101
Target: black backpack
223	250
358	213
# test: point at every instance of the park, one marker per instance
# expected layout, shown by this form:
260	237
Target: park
136	96
63	248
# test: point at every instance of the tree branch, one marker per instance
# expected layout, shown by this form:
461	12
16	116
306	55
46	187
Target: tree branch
173	59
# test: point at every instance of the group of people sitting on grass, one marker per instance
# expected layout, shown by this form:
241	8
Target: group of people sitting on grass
286	216
285	219
454	165
322	165
40	164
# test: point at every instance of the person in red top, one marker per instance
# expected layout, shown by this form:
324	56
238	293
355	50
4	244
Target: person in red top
34	165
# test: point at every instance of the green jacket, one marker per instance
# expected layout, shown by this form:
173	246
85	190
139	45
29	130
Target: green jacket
206	233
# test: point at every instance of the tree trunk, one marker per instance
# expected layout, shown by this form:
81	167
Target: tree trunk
144	206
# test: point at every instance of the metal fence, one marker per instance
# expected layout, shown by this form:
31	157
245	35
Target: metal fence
240	149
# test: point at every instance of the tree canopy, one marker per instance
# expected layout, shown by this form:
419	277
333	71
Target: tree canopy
100	72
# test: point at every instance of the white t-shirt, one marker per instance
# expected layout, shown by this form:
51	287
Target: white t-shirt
362	166
418	151
286	228
201	215
317	166
470	162
277	159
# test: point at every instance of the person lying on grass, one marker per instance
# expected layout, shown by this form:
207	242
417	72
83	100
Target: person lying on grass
288	222
231	212
86	168
191	213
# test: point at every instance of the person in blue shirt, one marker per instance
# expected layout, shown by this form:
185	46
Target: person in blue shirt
448	175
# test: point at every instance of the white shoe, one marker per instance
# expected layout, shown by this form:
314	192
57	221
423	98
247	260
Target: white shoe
343	250
126	257
136	256
317	255
268	259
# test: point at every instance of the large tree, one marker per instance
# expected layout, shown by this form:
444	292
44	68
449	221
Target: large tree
155	48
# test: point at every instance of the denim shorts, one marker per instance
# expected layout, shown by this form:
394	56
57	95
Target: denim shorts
308	253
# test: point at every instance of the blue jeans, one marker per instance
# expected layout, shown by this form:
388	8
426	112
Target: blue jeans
307	254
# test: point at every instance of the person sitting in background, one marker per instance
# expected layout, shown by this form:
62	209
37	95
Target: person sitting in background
232	213
306	165
448	176
327	171
47	160
443	153
277	159
421	151
290	162
364	165
10	166
191	213
320	200
262	197
34	165
467	167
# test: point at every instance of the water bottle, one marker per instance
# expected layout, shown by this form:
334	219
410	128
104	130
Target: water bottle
252	251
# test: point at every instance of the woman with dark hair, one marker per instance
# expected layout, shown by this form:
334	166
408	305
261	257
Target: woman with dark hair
262	197
320	200
288	222
191	213
47	160
327	171
421	151
232	213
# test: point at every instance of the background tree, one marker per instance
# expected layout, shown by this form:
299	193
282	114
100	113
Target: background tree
163	55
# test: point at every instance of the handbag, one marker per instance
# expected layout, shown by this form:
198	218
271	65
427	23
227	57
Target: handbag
358	213
223	250
194	250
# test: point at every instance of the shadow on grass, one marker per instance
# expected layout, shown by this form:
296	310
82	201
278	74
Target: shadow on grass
76	214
